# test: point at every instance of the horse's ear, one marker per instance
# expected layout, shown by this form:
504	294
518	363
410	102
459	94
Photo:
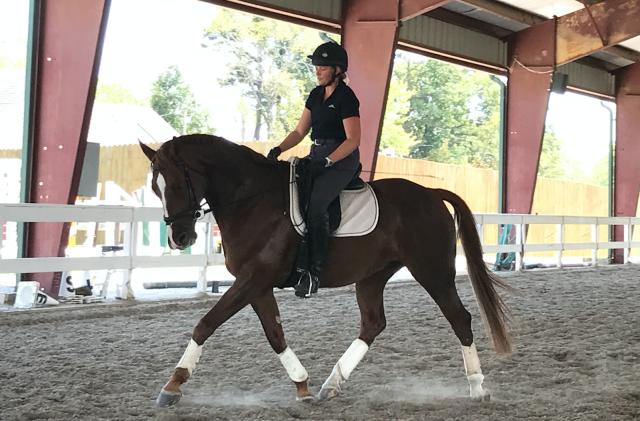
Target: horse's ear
147	151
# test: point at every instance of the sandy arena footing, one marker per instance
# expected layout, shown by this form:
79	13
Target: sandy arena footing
577	357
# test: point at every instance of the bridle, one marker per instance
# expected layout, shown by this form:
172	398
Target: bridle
196	211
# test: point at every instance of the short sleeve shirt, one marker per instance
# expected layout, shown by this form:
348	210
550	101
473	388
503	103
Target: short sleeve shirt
327	115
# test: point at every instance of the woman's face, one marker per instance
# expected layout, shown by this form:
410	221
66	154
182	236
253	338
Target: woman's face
324	74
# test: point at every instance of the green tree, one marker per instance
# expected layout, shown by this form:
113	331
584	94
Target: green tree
439	109
600	174
172	98
268	61
394	135
481	143
115	93
552	159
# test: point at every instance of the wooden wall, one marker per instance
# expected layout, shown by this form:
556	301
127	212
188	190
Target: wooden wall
128	167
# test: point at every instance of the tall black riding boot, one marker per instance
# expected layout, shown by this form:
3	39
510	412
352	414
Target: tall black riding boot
318	231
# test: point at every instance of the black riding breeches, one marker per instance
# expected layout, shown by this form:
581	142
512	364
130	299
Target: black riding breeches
328	185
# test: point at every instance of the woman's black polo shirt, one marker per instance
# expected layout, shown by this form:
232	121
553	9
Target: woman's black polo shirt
327	116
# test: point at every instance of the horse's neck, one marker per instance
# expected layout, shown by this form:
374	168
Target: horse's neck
238	185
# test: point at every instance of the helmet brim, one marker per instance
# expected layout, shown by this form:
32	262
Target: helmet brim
320	61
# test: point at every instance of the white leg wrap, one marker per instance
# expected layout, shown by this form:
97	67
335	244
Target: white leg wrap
471	360
343	368
352	356
191	356
292	364
475	385
474	372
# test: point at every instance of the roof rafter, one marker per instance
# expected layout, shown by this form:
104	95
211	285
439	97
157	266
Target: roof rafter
531	19
595	27
413	8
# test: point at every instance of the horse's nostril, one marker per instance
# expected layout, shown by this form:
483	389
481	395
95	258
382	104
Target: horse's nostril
183	239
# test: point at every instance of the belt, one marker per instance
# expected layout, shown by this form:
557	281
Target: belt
319	142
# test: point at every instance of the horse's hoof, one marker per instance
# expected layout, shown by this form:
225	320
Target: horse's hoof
168	398
307	399
486	397
327	393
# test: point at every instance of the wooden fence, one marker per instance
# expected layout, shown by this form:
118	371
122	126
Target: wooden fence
128	167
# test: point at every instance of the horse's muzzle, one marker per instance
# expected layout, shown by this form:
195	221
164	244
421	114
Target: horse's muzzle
184	239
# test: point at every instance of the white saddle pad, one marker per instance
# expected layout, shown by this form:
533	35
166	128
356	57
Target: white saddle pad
359	208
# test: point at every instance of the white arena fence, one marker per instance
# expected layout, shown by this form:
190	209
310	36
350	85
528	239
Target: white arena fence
133	217
130	217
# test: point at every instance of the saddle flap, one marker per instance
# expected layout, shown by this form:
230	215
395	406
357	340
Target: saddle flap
358	209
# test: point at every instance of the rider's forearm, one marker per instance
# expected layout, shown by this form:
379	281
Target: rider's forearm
290	141
348	146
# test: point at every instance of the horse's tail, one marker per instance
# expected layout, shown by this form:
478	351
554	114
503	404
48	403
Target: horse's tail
495	314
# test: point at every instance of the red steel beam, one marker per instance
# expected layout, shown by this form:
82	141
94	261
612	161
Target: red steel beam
596	27
412	8
531	60
627	170
369	34
66	61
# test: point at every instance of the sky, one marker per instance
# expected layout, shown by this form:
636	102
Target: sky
145	37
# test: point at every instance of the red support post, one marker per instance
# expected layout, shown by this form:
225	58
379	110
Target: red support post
531	55
627	170
369	34
65	69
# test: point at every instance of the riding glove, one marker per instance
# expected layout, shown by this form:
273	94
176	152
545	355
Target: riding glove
316	168
274	153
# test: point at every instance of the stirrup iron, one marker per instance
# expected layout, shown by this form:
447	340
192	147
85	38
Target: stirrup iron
304	290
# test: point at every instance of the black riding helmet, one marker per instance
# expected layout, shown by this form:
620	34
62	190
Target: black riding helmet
330	54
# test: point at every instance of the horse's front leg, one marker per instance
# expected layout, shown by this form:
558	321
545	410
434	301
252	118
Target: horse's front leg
235	299
369	294
266	308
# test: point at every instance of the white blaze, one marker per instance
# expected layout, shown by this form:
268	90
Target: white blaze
162	185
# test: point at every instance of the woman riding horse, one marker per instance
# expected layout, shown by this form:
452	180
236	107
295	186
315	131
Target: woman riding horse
415	229
332	114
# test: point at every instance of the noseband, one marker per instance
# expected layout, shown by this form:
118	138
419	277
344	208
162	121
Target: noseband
197	212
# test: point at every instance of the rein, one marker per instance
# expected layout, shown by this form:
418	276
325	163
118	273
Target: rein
197	212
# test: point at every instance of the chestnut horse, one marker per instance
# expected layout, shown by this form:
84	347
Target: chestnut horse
246	193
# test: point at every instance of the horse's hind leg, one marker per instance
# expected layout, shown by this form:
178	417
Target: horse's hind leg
439	281
369	293
266	308
235	299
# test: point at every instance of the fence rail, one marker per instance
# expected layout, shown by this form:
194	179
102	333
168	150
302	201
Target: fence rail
131	217
127	215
